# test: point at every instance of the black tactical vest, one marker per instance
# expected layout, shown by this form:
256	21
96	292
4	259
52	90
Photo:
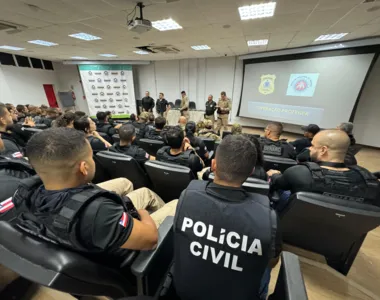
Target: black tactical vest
59	225
272	148
221	246
182	159
338	186
140	129
12	171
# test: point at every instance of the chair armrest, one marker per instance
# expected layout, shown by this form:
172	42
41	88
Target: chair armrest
146	259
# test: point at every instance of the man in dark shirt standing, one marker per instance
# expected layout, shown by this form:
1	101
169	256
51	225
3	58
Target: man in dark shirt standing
155	133
272	145
127	135
162	105
327	174
179	150
210	110
309	132
147	103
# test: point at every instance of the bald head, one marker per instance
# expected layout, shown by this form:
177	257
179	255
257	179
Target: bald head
182	120
330	145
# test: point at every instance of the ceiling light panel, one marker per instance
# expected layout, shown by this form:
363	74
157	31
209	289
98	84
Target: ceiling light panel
257	11
141	52
11	48
201	47
329	37
165	25
85	36
78	57
43	43
257	43
108	55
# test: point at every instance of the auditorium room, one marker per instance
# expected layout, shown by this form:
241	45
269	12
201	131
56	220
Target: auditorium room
189	149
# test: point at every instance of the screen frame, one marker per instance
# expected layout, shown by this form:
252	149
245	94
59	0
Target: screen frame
327	53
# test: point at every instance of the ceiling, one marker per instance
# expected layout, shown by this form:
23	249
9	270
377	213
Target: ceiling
296	23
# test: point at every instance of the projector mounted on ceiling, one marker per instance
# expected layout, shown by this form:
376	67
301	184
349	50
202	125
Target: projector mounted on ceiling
138	24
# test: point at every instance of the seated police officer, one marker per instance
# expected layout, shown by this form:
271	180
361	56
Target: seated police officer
51	115
127	135
155	133
141	126
64	208
224	237
309	132
179	150
207	131
104	126
272	145
328	174
12	145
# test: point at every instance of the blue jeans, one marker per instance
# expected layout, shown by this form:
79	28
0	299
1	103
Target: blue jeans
284	199
264	285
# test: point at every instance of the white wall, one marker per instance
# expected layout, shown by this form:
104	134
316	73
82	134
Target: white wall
367	117
25	85
69	80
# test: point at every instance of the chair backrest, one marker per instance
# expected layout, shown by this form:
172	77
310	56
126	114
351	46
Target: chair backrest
53	266
41	126
151	146
210	143
333	227
116	138
254	135
32	130
169	180
278	163
290	284
355	149
225	133
177	103
252	185
120	165
192	105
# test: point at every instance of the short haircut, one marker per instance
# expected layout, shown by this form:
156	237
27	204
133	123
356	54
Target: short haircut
183	92
132	117
162	94
44	106
235	159
223	93
347	127
82	124
56	150
127	132
20	108
3	110
260	155
65	119
276	127
151	118
173	136
80	114
9	106
108	113
52	111
160	122
101	116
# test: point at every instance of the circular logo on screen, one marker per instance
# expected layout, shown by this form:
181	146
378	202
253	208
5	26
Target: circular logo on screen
120	106
102	94
124	86
105	72
93	87
99	80
108	87
122	72
96	100
89	73
104	106
301	83
126	99
110	100
115	79
117	93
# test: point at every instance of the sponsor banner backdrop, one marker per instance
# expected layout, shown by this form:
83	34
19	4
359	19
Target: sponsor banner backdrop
109	87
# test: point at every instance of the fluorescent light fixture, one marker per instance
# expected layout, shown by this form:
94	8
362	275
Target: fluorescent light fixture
85	36
78	57
257	11
257	43
11	48
108	55
141	52
167	24
201	47
329	37
43	43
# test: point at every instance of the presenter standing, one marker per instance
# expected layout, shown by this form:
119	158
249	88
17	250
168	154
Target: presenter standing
184	109
210	110
224	108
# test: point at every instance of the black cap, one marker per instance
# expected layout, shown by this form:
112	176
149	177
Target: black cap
312	128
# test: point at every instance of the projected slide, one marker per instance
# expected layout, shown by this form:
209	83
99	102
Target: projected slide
317	90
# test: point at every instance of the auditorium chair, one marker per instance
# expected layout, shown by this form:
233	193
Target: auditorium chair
177	103
169	180
289	285
210	143
278	163
41	126
151	146
32	130
48	264
334	228
119	165
225	133
116	138
192	105
252	185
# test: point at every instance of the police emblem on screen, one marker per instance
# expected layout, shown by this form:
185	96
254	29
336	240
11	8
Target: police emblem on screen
266	86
